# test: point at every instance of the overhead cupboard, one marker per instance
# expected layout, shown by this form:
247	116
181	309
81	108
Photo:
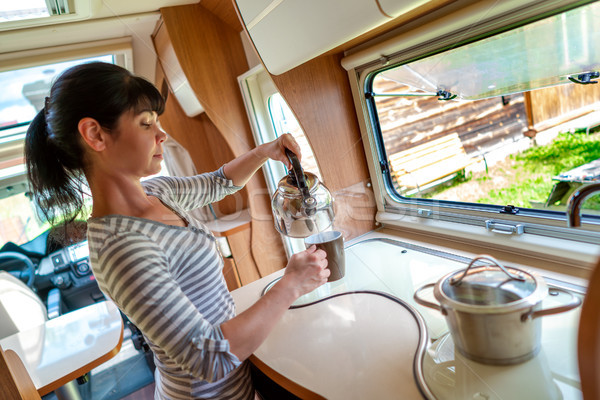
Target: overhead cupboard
287	33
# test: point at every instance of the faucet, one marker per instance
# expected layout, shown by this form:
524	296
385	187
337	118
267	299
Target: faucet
574	203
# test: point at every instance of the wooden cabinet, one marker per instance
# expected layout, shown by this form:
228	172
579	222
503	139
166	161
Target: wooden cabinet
235	229
175	78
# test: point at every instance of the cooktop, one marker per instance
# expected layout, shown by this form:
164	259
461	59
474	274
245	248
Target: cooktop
398	269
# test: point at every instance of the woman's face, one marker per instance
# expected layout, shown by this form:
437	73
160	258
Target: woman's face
135	149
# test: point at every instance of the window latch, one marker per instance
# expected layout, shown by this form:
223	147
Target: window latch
509	209
585	78
445	95
505	229
385	168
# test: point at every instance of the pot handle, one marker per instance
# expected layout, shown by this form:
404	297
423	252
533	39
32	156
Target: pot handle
573	303
456	280
425	302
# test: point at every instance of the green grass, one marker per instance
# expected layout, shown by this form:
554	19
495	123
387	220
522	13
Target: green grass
530	175
530	189
536	166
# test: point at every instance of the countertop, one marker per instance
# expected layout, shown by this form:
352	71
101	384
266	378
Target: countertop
227	225
365	337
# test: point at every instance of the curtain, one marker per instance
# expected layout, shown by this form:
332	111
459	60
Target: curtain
179	163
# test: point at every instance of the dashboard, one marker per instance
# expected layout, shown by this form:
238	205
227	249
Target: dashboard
69	270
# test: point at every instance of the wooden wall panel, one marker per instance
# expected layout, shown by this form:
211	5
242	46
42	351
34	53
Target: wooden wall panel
240	245
169	65
211	55
588	340
319	94
230	272
225	11
203	141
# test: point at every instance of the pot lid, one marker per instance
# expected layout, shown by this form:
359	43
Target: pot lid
488	284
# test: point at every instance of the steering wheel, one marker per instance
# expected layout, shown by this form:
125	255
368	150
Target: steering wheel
30	266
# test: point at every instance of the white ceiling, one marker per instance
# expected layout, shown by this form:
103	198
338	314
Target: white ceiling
107	19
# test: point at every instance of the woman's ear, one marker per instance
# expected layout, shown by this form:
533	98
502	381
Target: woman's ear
92	133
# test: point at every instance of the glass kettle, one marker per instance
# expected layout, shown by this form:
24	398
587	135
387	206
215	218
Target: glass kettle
302	205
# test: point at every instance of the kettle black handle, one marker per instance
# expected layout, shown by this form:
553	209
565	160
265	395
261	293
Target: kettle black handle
298	178
298	173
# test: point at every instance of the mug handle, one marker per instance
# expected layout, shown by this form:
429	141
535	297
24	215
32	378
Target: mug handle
426	303
573	303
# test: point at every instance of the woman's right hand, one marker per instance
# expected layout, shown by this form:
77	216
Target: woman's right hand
306	271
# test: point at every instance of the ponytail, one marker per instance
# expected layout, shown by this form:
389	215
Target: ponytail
57	191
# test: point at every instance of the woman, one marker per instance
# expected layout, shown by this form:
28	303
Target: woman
161	267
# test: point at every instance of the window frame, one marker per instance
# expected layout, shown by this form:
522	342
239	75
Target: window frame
544	232
77	10
257	87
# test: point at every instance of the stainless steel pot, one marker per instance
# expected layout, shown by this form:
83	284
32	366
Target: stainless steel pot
493	312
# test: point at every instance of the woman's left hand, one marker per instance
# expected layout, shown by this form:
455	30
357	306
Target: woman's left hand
275	150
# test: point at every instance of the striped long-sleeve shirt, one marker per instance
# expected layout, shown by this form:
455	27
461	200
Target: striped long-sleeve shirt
168	281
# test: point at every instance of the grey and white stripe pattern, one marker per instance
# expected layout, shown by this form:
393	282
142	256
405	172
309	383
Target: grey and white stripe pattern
168	280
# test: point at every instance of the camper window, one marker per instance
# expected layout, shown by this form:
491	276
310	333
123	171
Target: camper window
502	127
24	90
31	9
